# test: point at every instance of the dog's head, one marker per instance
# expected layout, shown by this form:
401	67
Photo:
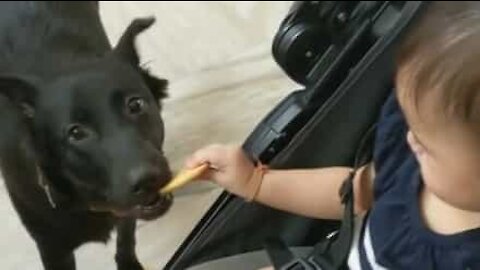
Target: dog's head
97	131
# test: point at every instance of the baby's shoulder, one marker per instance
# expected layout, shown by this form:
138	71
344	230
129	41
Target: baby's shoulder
391	149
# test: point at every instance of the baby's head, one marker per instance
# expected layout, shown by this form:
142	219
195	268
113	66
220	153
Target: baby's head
438	87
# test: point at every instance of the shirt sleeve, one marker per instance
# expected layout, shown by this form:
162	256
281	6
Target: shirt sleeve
391	147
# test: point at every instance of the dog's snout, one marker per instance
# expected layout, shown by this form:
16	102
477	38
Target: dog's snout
144	184
144	181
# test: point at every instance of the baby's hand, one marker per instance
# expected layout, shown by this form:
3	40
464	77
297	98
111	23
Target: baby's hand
230	167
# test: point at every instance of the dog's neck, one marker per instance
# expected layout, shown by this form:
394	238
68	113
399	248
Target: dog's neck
57	199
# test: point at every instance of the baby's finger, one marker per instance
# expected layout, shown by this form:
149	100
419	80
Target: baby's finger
212	154
192	162
208	175
195	160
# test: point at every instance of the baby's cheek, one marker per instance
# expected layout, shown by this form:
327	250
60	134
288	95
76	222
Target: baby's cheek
438	175
457	185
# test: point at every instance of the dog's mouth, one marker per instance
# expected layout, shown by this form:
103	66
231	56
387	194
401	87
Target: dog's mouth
153	208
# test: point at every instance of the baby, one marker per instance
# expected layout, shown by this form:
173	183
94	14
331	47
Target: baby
420	197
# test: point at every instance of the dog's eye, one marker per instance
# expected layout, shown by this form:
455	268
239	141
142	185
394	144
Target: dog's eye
136	105
77	133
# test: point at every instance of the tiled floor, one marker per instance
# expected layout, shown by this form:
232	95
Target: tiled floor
218	96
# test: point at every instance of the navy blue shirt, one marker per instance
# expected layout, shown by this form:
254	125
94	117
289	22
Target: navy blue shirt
396	231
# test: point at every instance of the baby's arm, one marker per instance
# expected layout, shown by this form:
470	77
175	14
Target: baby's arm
312	193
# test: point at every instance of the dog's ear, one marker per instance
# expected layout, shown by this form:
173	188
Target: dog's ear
126	51
125	48
157	86
21	92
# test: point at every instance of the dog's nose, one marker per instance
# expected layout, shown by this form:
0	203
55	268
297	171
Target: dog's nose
144	182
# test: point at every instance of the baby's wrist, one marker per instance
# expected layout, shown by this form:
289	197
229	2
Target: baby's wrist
254	183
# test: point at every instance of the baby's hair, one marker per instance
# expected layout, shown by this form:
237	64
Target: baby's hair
440	57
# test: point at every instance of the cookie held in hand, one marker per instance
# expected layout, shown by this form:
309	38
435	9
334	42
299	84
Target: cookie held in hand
184	178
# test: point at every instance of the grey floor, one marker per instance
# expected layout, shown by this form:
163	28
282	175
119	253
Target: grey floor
223	81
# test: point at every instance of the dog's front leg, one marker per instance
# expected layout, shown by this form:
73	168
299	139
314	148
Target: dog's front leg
56	258
126	257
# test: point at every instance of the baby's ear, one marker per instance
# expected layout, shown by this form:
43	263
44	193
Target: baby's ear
417	147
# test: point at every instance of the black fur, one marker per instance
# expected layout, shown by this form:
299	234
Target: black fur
81	140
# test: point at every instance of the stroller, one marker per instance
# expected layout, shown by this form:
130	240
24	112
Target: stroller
342	54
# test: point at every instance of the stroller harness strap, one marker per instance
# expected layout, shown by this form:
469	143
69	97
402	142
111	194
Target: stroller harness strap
330	253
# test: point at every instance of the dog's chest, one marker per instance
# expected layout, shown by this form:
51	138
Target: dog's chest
87	227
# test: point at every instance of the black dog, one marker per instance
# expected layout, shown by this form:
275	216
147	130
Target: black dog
81	140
